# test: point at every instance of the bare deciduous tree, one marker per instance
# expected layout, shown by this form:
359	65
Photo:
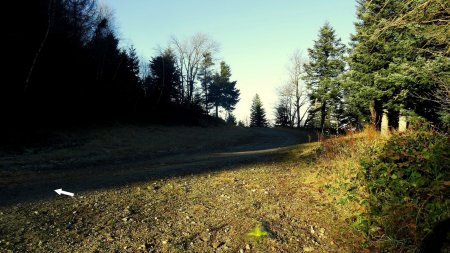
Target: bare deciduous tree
296	71
190	55
286	95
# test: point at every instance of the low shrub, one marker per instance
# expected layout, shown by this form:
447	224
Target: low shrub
394	190
408	181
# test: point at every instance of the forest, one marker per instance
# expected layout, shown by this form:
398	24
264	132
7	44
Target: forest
65	66
360	135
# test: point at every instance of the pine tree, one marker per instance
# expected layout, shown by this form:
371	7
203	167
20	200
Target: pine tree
223	92
372	54
257	113
282	116
231	119
326	63
163	83
399	53
421	70
206	78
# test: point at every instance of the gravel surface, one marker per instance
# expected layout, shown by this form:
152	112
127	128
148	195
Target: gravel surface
247	198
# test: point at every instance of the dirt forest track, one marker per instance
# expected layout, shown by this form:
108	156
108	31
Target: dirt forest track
27	179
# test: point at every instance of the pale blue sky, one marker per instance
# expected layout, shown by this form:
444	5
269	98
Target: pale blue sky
256	37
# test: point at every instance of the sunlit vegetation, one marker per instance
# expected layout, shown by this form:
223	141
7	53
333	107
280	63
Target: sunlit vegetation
394	191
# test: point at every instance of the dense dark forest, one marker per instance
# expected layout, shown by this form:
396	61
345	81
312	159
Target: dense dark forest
64	65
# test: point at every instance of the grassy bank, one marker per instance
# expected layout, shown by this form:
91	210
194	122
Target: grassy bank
393	190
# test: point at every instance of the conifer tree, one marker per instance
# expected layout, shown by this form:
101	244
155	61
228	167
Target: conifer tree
257	113
326	63
223	92
206	77
163	83
372	54
282	117
231	119
399	53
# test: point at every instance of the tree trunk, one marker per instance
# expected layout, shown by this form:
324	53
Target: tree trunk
191	91
402	122
206	100
323	116
373	114
41	46
297	104
217	111
385	123
304	114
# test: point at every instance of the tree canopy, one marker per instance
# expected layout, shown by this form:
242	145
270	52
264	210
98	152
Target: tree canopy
399	58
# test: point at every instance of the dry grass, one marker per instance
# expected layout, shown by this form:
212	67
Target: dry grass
336	172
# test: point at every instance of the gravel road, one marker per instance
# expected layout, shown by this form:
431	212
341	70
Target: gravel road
26	181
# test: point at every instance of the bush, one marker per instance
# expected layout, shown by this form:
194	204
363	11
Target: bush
408	183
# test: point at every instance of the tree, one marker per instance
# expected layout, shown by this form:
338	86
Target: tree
206	78
400	50
295	76
77	71
50	15
286	100
223	92
370	58
163	83
326	63
125	86
190	55
282	116
231	119
257	113
292	95
82	18
422	74
61	80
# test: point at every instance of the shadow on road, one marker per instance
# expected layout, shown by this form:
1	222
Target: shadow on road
24	185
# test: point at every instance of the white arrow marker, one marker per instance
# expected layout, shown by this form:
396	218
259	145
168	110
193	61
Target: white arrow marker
60	191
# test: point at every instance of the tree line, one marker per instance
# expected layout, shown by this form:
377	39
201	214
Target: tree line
396	66
64	64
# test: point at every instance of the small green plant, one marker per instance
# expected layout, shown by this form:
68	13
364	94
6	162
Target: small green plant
258	231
